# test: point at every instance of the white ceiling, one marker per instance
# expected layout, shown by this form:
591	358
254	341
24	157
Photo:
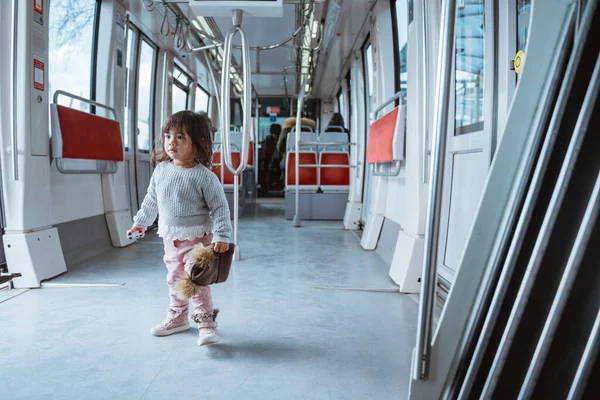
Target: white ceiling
353	15
262	31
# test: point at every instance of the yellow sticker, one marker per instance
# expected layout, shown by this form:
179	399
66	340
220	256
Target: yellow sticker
519	60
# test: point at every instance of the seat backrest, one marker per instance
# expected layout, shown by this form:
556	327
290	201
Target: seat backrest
307	175
235	139
338	177
386	137
81	135
227	175
304	137
337	137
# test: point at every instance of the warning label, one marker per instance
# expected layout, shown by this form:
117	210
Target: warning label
38	73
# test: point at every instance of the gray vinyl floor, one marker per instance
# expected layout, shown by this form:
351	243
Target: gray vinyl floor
289	326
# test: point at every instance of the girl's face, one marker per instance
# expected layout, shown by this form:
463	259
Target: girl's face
179	147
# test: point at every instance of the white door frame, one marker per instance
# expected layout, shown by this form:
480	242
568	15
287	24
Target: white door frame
481	141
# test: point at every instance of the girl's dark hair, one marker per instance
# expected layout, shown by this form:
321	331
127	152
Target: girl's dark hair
197	127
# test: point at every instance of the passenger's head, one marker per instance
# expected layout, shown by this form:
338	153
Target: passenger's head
275	129
192	127
337	120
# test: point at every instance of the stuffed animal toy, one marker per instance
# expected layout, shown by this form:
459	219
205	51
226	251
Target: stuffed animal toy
204	267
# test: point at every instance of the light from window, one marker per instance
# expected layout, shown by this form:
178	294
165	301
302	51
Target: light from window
145	99
402	28
369	54
179	99
70	49
128	96
201	100
470	57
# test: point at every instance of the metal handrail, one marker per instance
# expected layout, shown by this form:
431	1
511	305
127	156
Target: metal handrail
214	82
296	222
394	172
225	117
396	96
425	61
82	99
434	201
104	169
13	103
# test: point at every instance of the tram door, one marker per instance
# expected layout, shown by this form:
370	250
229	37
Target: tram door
470	134
139	113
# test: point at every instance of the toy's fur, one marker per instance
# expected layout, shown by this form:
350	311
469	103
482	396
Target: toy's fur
199	257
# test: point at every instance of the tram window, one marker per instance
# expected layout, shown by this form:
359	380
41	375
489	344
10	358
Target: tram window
70	49
201	100
470	57
181	91
341	105
523	16
145	103
401	7
131	39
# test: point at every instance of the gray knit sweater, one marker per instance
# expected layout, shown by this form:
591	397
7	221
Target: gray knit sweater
190	201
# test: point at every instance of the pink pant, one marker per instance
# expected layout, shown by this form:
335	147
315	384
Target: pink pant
174	253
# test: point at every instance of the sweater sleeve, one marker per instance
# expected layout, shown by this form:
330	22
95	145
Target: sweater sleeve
215	199
149	209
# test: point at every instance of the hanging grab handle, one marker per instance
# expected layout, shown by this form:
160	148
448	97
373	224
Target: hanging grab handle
226	97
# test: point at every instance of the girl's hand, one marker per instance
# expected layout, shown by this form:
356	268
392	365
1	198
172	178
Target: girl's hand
220	247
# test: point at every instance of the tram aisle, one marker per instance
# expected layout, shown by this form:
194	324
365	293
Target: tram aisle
281	335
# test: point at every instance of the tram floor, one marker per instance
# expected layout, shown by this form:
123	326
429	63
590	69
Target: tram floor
288	328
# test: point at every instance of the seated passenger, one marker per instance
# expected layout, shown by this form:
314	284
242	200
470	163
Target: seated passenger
337	120
288	125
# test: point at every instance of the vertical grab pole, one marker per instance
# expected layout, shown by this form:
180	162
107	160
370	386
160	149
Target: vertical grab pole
256	128
216	87
434	202
13	105
297	222
225	117
425	60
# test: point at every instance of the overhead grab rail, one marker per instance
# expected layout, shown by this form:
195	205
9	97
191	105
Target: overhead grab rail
106	152
434	201
397	164
225	117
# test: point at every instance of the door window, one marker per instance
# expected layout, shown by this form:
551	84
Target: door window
470	54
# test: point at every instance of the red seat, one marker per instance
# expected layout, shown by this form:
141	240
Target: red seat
227	175
386	138
308	179
334	178
85	136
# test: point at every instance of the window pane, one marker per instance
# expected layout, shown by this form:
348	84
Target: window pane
341	104
128	96
524	12
470	45
402	25
370	70
145	104
201	100
179	99
70	50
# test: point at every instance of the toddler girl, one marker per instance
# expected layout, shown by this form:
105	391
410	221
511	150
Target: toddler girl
193	209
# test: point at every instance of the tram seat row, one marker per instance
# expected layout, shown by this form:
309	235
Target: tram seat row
323	191
311	179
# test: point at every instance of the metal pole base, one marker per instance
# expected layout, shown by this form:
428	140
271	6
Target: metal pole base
296	222
236	254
